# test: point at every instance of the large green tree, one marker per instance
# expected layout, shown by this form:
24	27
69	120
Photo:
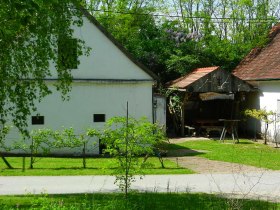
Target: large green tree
29	36
174	37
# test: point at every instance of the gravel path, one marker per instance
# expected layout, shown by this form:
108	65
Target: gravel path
204	166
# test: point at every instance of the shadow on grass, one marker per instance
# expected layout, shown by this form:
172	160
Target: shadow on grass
229	140
65	168
175	150
77	168
183	152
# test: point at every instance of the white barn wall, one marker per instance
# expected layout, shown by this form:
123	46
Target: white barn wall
160	110
270	95
88	98
103	83
106	60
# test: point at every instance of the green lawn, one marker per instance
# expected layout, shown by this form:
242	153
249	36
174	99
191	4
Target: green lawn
138	201
246	152
74	166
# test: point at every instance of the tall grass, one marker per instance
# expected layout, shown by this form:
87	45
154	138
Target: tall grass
139	201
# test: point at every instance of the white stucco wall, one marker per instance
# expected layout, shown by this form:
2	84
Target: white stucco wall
86	99
105	61
103	84
268	100
160	110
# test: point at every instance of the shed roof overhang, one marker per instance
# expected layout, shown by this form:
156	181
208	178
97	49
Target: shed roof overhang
210	79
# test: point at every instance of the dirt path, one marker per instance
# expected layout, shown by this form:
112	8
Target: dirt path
203	165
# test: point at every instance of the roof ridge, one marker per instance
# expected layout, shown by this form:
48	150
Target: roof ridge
117	44
206	68
262	62
210	69
176	80
274	31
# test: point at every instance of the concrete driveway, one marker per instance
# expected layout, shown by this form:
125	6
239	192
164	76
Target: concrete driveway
264	185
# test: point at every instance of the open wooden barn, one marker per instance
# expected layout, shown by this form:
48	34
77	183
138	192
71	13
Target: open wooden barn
199	101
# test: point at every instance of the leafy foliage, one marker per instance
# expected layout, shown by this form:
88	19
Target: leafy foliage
201	33
263	115
4	131
28	40
44	141
260	114
128	139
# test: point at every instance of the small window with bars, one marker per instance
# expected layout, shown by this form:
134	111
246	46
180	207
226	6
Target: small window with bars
38	120
99	118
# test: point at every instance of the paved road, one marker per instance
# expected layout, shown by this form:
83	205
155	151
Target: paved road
264	185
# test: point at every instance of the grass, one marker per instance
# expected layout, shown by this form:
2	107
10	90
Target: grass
246	152
74	166
134	201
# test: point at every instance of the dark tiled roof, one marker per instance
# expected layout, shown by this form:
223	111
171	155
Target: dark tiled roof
189	78
262	63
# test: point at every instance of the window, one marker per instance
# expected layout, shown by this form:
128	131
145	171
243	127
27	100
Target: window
38	120
67	53
99	118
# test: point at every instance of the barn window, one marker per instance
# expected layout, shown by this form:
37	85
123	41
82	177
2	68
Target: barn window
67	53
99	118
38	120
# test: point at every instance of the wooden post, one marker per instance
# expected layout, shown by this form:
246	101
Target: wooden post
84	155
185	98
2	137
183	119
23	164
32	153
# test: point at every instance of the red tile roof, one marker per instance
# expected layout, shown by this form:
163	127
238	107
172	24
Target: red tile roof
189	78
262	63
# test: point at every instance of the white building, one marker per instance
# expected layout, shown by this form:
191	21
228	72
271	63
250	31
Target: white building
102	85
261	68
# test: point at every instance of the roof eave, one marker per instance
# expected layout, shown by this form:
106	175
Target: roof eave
117	44
263	79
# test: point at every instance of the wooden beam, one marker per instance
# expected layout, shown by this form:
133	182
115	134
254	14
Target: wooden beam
183	119
185	98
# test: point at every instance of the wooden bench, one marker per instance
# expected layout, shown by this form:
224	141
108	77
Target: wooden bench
190	130
212	128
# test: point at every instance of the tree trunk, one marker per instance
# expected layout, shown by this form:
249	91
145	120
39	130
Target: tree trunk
265	133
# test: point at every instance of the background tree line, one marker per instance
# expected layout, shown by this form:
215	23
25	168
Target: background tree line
173	37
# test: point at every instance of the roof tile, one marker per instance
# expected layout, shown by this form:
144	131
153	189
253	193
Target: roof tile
189	78
262	63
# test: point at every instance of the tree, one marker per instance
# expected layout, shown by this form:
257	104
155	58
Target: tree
202	33
43	141
262	115
29	36
127	139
